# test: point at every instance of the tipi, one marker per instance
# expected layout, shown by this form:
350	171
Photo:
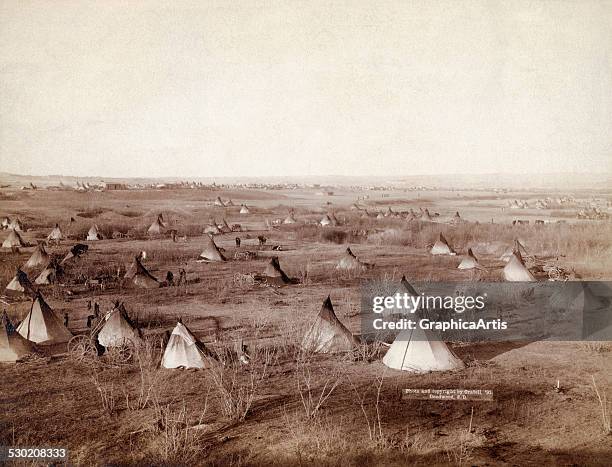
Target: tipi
225	228
274	274
516	246
143	278
441	247
419	351
93	233
404	288
327	334
131	270
13	240
349	261
42	325
426	216
469	261
211	252
13	347
48	275
411	216
516	271
184	350
290	219
38	258
16	225
244	209
218	202
325	221
118	329
456	218
329	219
20	284
56	234
212	229
156	228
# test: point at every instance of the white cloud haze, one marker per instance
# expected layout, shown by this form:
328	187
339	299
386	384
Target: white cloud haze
209	88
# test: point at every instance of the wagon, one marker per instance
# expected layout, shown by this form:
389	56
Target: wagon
85	348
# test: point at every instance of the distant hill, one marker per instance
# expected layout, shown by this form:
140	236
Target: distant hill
557	181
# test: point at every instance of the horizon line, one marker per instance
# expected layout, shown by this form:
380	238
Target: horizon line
395	176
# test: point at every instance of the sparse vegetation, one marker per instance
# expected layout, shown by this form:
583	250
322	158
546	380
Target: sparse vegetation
306	408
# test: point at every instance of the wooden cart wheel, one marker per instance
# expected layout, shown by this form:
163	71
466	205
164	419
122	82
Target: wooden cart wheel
82	349
121	351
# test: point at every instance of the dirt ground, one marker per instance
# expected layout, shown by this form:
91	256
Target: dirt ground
285	408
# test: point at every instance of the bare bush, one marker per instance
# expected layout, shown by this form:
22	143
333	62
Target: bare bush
314	391
373	421
177	443
236	384
147	357
107	393
604	407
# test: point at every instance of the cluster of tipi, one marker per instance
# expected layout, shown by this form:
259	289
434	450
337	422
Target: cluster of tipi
15	240
50	269
41	326
416	350
514	271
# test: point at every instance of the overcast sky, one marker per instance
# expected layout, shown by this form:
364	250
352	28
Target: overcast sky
207	88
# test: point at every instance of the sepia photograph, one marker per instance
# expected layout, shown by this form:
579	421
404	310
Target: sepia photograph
306	233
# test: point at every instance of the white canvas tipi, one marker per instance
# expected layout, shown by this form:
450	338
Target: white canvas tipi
48	275
210	251
290	219
156	228
244	209
327	334
42	325
350	262
13	347
469	261
184	350
212	229
118	329
442	247
517	246
93	233
13	240
38	258
20	284
516	271
404	288
419	351
274	274
56	234
16	225
143	278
